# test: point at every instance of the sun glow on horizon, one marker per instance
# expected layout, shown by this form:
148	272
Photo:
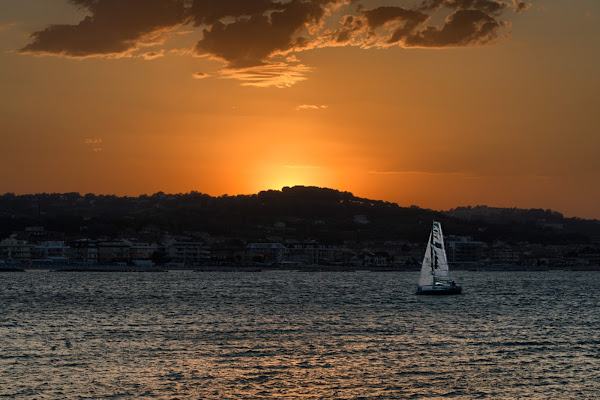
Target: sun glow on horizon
276	177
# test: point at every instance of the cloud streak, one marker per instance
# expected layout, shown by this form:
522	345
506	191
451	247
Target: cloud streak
93	141
280	75
309	107
417	172
255	38
151	55
469	174
301	166
8	26
200	75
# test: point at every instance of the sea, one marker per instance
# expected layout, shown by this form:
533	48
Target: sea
298	335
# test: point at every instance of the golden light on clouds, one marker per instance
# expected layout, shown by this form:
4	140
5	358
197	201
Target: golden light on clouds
258	42
279	75
304	107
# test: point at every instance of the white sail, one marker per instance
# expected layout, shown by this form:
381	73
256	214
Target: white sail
426	277
440	270
435	275
435	263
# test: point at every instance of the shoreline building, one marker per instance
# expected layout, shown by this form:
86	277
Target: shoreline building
462	250
14	250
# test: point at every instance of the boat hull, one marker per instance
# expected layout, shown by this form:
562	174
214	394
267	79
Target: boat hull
439	290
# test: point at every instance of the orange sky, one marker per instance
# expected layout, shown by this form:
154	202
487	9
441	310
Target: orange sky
436	103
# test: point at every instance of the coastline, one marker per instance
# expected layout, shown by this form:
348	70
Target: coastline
271	268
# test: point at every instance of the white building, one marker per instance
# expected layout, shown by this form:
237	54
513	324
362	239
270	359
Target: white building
53	252
15	250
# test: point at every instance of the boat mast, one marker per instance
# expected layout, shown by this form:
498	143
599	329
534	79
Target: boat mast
433	258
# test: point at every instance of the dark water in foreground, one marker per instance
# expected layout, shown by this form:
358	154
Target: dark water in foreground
511	335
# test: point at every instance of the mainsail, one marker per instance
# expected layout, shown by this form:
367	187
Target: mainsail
435	263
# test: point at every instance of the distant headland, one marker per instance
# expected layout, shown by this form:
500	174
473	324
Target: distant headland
295	227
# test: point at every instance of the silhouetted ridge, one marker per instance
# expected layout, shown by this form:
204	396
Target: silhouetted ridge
294	213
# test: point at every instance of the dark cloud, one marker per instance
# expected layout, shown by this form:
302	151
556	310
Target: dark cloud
521	5
383	15
114	27
463	28
350	26
471	22
487	6
248	42
246	34
208	12
406	21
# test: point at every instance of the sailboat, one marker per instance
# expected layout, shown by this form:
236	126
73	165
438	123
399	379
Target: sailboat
435	276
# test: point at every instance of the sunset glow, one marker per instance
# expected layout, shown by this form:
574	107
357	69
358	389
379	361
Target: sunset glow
433	103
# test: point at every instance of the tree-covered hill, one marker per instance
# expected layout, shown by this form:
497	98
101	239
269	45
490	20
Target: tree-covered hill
298	213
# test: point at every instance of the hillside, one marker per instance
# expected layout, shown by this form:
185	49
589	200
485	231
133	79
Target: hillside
293	213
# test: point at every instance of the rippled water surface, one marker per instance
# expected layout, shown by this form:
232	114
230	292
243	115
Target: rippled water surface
511	335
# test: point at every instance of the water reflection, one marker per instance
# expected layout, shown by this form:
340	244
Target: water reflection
287	335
